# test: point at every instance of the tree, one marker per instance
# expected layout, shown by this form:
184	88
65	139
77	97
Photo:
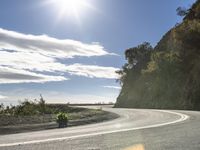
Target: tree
138	54
181	11
137	59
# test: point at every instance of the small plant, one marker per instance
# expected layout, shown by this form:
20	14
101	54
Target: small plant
42	105
62	120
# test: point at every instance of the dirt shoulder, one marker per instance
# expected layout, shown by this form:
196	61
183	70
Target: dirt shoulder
11	124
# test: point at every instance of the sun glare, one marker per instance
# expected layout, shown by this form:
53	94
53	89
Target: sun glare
70	8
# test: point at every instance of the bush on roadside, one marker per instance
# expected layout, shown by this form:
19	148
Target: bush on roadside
62	120
26	108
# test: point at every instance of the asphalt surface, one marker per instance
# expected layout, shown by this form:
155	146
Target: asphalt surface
135	129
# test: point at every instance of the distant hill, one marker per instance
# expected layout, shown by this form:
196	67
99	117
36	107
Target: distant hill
168	75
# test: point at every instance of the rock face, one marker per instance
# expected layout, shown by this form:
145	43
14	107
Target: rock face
171	78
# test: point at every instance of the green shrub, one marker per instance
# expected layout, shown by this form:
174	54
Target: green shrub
62	119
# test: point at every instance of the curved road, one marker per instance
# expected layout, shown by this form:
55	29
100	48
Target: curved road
135	129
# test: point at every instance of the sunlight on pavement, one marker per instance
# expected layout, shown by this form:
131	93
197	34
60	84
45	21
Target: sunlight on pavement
136	147
117	125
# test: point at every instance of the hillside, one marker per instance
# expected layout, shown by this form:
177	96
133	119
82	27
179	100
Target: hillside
168	75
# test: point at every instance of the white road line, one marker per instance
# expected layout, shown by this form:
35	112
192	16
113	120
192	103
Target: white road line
183	117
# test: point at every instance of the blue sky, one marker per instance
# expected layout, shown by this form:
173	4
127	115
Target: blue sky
71	55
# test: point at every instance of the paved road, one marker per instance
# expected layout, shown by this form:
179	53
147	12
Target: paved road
135	129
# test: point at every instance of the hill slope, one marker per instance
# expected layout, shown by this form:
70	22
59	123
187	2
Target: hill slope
167	76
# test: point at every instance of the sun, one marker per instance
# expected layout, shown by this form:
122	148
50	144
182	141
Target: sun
70	8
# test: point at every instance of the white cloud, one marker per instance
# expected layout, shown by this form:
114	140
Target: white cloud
2	97
23	63
48	46
30	61
112	87
9	75
88	98
92	71
30	58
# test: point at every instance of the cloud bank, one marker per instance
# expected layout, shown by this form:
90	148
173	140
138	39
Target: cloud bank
2	97
34	58
9	75
48	46
92	71
112	87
